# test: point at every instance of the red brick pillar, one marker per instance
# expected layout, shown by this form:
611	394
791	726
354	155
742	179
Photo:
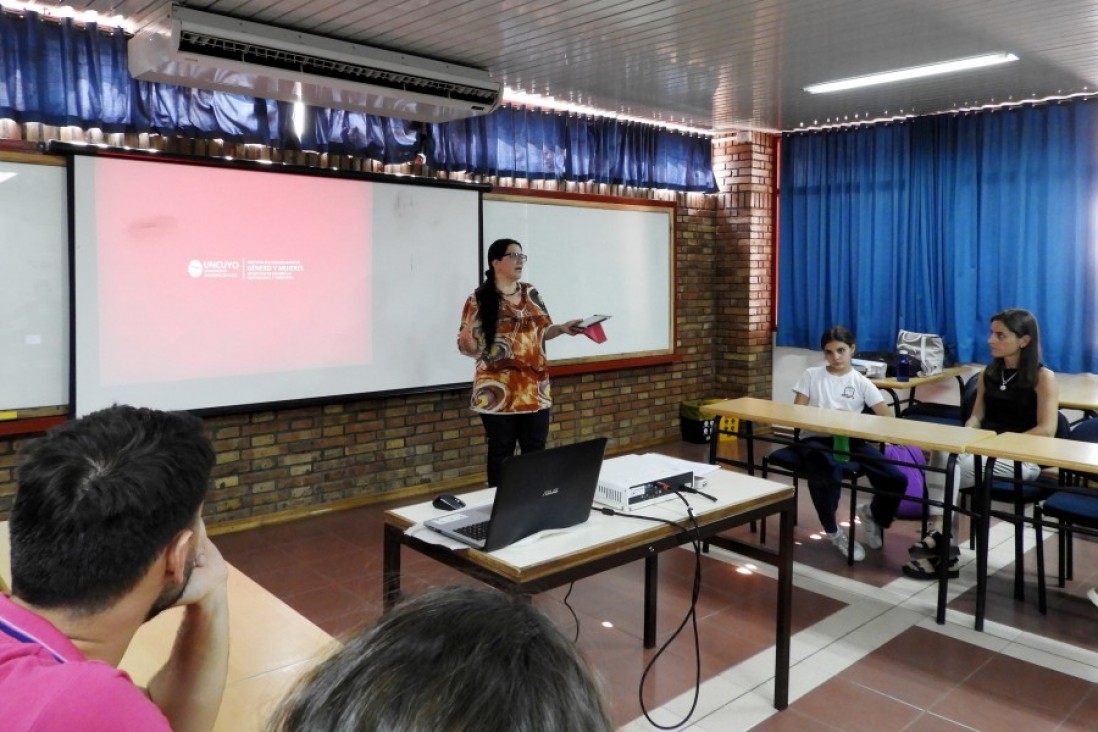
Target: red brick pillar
744	249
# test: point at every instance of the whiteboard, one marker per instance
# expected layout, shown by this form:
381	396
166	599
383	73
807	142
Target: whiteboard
593	256
34	292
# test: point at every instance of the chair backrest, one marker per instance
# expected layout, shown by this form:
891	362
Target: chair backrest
1085	431
1063	426
968	396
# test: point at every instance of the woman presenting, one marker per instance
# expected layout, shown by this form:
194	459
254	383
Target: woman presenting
504	326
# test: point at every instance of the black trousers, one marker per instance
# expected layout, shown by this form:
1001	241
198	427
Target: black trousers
825	476
528	430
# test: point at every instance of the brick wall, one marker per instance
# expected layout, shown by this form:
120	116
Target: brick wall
743	284
275	464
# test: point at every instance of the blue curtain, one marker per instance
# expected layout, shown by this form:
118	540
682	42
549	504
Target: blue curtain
60	73
200	113
528	143
937	223
337	131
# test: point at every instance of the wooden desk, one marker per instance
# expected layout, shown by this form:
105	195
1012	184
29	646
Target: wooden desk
1079	391
271	646
1072	455
923	435
891	384
605	542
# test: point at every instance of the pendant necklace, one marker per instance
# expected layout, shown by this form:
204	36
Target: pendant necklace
1005	381
519	315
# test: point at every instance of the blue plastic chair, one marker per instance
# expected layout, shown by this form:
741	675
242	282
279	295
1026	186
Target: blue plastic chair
1071	510
1003	489
787	461
948	414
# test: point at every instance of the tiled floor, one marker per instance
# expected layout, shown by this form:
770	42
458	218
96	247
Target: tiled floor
867	654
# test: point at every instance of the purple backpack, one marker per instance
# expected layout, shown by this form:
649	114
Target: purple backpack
909	509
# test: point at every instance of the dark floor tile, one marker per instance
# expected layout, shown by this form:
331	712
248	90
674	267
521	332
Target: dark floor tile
1085	715
320	548
620	660
1070	616
325	603
854	708
790	720
367	584
240	542
263	560
291	578
1041	688
723	645
347	625
292	532
928	722
918	666
977	709
351	563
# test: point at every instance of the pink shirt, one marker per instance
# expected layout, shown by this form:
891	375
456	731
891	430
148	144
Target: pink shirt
46	684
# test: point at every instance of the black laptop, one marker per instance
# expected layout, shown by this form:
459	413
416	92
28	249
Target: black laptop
547	489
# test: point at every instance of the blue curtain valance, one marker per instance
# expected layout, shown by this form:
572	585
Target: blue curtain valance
60	73
529	143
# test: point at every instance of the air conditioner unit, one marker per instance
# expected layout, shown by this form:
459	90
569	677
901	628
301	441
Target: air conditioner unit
209	51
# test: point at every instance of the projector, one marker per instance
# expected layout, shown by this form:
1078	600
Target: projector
631	482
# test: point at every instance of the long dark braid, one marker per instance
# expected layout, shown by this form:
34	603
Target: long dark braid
487	295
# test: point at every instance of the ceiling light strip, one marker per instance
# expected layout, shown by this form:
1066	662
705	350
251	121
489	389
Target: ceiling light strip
526	99
912	72
989	107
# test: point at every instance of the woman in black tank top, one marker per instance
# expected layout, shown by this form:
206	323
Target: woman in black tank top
1016	394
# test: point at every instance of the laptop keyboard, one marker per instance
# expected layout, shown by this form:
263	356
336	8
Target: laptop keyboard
476	532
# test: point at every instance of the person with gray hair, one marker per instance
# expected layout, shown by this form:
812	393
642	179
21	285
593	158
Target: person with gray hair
456	659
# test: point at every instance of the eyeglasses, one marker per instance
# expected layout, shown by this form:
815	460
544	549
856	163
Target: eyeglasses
517	256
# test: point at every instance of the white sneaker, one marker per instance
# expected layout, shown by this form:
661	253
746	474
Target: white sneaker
871	530
1092	593
842	543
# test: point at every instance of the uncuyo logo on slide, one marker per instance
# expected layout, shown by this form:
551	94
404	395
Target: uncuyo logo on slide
194	268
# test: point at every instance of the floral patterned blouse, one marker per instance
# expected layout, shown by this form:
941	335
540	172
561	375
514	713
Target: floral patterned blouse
513	375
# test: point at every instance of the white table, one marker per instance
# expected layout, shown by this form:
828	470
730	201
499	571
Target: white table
605	542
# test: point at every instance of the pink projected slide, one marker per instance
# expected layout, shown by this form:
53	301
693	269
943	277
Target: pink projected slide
210	272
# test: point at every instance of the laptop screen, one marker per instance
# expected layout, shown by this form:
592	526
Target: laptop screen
547	489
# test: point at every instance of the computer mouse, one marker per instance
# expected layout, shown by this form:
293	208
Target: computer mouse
448	502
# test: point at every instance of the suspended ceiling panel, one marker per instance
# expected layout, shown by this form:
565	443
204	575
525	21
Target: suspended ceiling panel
714	64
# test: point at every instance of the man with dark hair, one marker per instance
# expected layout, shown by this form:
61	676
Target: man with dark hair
106	532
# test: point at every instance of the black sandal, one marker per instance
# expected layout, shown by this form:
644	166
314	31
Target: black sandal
927	569
927	547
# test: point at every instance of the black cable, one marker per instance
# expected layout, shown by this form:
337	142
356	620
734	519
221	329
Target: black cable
691	614
575	617
686	489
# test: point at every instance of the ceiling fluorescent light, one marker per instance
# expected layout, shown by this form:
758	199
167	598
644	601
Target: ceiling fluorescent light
912	72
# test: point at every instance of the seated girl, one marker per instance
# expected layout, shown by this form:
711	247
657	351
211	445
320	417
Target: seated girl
837	385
